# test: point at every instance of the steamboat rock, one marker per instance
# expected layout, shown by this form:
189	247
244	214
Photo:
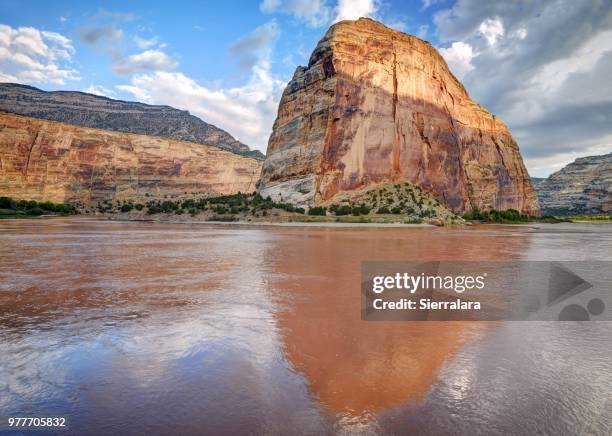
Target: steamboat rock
377	106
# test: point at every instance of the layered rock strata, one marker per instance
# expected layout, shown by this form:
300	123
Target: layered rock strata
582	187
88	110
375	106
44	160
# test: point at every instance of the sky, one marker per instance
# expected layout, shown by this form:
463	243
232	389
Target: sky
544	67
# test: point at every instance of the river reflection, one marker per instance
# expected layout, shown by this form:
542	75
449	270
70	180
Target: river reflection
146	328
359	368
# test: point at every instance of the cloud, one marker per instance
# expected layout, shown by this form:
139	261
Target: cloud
543	67
149	60
93	35
459	58
318	13
99	90
492	29
354	9
315	13
115	16
247	112
256	45
144	43
28	55
428	3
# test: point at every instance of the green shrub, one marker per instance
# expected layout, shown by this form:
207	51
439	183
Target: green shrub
188	204
343	210
31	207
7	203
219	209
317	211
36	211
360	210
496	216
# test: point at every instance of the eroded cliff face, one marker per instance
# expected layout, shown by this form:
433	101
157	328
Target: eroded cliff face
582	187
94	111
379	106
45	160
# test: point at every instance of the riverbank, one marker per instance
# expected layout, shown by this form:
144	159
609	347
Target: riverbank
336	224
27	209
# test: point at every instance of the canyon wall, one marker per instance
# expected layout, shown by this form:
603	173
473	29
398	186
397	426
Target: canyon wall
582	187
378	106
46	160
88	110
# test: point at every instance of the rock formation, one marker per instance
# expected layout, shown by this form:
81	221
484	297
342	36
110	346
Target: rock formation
45	160
582	187
88	110
378	106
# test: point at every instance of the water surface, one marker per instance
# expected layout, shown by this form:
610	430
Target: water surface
139	328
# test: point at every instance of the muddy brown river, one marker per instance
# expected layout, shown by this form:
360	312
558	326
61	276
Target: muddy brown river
143	328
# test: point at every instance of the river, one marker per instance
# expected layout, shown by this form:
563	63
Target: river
144	328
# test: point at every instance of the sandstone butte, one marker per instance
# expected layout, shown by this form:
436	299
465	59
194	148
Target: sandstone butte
378	106
46	160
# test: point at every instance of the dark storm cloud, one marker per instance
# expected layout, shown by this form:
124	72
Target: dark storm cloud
557	132
547	73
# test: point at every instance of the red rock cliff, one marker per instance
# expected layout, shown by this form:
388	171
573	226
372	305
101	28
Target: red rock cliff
375	106
45	160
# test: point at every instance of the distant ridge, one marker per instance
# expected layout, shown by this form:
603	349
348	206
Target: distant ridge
89	110
581	187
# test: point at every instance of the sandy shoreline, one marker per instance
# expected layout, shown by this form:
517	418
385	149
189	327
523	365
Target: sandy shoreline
278	224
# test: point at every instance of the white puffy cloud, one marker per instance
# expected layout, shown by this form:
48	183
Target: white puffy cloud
459	58
354	9
28	55
492	29
315	13
149	60
318	13
247	112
